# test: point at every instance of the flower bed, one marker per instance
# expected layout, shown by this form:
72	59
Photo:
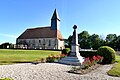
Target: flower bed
79	70
53	58
88	62
88	65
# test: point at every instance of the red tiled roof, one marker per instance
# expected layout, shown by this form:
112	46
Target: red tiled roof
41	32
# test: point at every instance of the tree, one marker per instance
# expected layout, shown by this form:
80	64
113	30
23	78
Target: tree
102	40
111	40
5	45
83	35
66	43
111	37
118	43
94	41
69	41
83	40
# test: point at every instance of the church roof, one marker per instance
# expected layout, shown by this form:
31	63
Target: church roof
40	32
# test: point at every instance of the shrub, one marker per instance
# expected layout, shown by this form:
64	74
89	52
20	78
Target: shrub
108	53
88	53
53	58
42	60
66	51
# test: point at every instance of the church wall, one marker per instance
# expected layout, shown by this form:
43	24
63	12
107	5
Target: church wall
60	44
42	43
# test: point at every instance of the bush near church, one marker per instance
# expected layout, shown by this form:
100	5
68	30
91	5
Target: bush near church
88	53
108	53
66	51
53	58
7	45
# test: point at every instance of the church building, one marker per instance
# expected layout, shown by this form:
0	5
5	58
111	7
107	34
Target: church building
48	37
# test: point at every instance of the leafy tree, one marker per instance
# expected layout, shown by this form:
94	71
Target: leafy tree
111	40
69	41
83	36
95	41
6	45
83	40
66	43
111	37
102	40
118	43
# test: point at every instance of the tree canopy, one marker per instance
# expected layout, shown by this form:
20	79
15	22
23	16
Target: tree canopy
94	41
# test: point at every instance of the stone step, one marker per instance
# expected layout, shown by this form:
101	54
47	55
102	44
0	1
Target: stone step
71	61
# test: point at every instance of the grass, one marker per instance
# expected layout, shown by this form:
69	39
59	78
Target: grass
115	71
8	56
6	79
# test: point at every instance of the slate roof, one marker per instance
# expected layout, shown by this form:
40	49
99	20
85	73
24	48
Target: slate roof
40	32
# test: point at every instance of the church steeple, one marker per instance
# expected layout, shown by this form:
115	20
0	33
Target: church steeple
55	21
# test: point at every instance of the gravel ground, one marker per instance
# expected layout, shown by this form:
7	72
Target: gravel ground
51	71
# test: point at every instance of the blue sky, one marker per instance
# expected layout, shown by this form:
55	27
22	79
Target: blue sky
101	17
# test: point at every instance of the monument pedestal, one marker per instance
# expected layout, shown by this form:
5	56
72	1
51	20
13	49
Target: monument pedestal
74	58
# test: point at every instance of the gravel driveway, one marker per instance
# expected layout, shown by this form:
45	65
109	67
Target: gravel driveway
51	71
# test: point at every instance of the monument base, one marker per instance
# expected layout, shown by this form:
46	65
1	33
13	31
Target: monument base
72	60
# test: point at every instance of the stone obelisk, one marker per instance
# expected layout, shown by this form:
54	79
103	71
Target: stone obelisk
74	58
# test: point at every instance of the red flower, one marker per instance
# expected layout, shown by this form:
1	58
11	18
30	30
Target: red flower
89	61
86	59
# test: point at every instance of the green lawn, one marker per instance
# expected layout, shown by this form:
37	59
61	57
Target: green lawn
8	56
115	71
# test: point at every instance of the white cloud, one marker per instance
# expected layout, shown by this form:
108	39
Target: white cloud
8	35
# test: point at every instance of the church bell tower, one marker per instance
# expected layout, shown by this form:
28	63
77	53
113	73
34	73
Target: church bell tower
55	21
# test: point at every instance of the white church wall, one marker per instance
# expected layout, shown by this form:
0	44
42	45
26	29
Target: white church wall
43	43
60	44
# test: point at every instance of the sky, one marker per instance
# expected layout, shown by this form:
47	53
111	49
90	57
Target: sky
100	17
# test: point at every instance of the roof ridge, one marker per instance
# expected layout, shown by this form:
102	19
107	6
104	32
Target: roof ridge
38	27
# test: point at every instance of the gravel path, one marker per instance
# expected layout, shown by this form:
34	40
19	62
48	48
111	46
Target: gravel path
51	71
